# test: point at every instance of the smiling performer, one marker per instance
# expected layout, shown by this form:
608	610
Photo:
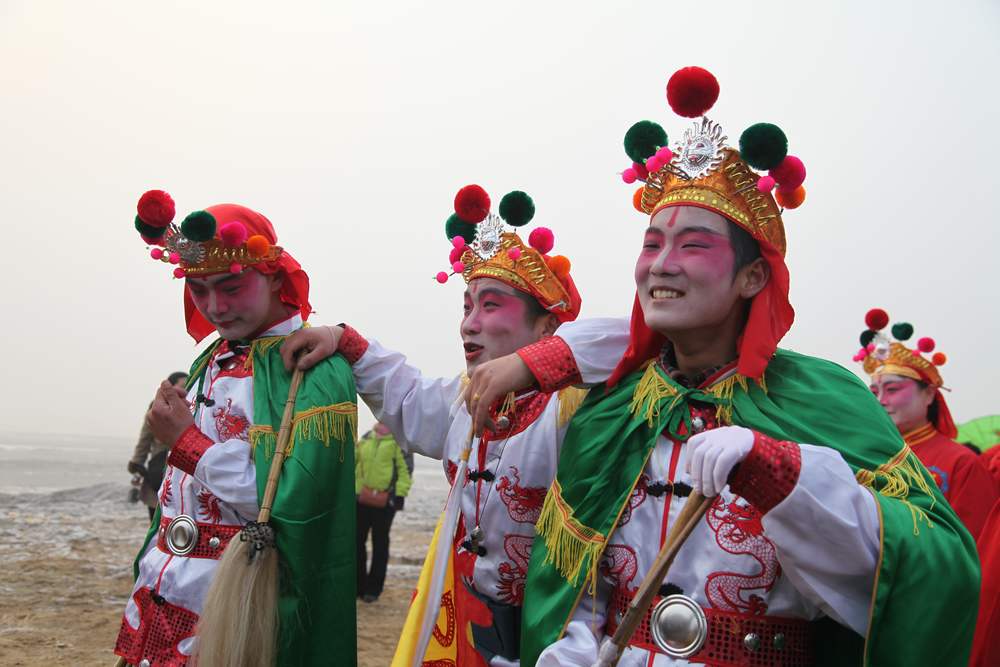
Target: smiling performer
827	539
253	293
516	295
908	385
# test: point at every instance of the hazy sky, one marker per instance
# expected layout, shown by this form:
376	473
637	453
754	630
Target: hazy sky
351	126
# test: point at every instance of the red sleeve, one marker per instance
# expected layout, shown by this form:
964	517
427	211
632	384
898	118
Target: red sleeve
972	494
189	449
551	361
352	345
769	472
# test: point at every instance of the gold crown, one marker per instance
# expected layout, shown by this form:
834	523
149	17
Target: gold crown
199	258
730	189
528	273
903	361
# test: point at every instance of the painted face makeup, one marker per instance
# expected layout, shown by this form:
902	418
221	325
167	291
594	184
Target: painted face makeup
905	399
238	305
684	274
495	323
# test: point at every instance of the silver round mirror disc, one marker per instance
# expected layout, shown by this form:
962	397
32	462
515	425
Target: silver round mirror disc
182	535
679	626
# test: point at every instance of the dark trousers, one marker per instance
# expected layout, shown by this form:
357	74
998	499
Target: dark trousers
378	520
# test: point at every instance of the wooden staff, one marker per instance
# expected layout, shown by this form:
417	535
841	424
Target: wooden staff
692	512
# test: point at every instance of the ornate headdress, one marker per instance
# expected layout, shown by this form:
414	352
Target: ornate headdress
881	356
700	170
226	238
483	248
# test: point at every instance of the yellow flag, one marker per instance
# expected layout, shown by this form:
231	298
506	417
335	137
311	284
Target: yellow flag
443	649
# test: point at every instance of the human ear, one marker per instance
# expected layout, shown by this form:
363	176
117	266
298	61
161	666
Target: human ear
546	325
277	280
753	278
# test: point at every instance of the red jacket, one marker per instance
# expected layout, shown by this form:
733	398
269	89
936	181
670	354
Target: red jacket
963	479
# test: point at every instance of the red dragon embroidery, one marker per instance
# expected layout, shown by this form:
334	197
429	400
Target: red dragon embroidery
514	572
230	426
638	497
619	565
208	506
738	530
166	493
524	504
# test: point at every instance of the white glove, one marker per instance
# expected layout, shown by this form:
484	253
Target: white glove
712	455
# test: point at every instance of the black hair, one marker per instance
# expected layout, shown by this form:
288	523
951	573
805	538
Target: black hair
175	376
745	248
932	409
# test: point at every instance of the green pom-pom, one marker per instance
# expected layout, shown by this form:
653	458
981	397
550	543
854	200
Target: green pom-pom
199	226
867	336
516	208
642	140
458	227
902	331
149	231
763	146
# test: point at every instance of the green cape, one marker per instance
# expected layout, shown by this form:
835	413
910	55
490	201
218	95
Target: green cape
314	509
927	585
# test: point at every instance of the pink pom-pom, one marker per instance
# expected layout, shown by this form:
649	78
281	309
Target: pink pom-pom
458	242
542	239
233	234
441	277
455	254
457	267
178	272
790	174
862	353
156	253
765	184
664	155
653	164
925	345
514	254
640	170
870	347
629	175
174	258
235	267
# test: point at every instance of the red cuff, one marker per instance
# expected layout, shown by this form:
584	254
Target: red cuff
551	362
189	449
769	472
352	345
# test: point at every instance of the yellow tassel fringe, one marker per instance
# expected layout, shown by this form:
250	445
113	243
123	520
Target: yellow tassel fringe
260	346
326	423
652	389
568	542
570	400
894	478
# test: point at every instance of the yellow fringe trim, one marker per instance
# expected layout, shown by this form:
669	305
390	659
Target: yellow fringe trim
567	541
260	346
570	400
897	475
652	388
325	423
723	391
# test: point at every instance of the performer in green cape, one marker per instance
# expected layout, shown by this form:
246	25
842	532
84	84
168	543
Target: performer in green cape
238	282
827	538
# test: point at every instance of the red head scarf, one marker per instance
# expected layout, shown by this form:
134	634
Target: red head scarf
294	288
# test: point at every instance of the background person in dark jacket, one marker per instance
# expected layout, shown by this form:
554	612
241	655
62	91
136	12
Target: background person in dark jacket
150	456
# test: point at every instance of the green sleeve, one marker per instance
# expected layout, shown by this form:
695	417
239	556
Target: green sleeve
404	481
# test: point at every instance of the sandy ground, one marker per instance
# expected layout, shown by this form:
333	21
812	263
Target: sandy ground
65	572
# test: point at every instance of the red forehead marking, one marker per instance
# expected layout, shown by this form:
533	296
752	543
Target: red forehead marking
673	218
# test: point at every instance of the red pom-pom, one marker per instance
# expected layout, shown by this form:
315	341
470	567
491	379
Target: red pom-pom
629	175
233	234
876	319
457	267
790	174
235	267
156	208
174	258
455	254
939	359
542	239
765	184
514	254
258	245
559	265
692	91
925	345
640	170
441	277
472	204
156	253
178	272
161	240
